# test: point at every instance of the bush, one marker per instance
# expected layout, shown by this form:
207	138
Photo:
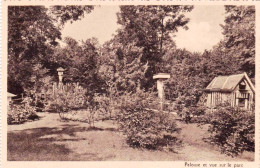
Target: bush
193	113
144	127
105	106
64	100
232	128
20	113
188	109
73	98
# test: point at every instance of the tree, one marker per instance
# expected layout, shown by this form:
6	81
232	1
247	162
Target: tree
148	28
239	33
220	62
121	67
31	32
236	52
32	37
192	72
188	77
81	61
71	13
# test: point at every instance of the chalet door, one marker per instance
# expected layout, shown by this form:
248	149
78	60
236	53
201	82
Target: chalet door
242	102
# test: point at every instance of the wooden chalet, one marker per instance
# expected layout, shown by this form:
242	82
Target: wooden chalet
236	89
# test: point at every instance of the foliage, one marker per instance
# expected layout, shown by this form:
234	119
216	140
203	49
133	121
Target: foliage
20	113
64	100
81	63
239	33
144	127
233	129
130	75
33	32
192	113
38	80
188	79
122	69
236	52
105	106
73	97
70	13
150	26
135	51
192	72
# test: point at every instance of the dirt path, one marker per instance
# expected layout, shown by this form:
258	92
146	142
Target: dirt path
51	139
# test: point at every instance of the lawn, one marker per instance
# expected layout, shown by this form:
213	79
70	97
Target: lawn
51	139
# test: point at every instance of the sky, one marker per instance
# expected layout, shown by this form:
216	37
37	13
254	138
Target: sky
204	27
100	23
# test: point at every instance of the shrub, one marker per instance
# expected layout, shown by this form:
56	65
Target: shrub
189	112
64	100
193	113
105	106
232	128
20	113
144	127
73	98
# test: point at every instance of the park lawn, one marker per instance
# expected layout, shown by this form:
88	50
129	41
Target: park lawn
195	135
51	139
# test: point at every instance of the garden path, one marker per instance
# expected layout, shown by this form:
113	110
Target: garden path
51	139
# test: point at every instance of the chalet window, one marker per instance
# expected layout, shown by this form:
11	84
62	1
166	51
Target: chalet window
241	102
242	86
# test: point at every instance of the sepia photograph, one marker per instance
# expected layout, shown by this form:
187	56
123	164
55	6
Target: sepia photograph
131	83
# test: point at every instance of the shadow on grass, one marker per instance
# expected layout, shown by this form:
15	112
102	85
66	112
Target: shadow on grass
45	143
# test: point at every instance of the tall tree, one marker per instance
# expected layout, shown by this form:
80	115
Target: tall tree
70	13
81	61
32	35
31	32
121	66
239	36
149	28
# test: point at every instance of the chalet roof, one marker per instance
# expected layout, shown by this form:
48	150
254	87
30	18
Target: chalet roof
228	83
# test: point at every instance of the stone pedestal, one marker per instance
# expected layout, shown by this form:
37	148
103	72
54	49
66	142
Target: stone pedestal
160	77
160	88
60	74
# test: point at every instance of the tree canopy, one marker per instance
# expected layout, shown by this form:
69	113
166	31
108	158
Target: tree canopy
239	36
145	33
142	47
33	34
70	13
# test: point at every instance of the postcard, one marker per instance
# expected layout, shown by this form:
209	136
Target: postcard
130	83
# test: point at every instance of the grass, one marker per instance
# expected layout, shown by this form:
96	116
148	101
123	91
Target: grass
48	143
197	136
53	140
